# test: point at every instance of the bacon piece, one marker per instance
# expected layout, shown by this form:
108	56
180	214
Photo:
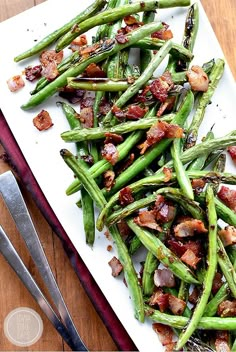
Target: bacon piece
147	219
232	152
126	163
116	266
118	112
165	334
104	107
194	295
179	248
189	228
86	117
50	56
135	112
124	228
15	83
74	96
109	177
125	196
190	258
94	70
86	102
164	277
160	299
222	341
228	235
176	305
217	283
43	121
198	185
110	153
198	79
158	131
79	41
121	38
130	19
164	33
50	71
32	73
228	197
113	138
167	105
168	173
161	86
227	309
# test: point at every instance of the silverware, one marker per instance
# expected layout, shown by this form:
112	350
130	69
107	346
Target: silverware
13	198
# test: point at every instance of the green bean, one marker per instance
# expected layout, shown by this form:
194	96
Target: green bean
86	134
134	245
105	50
150	265
210	272
106	85
180	322
163	254
52	37
86	200
181	175
103	30
146	55
226	267
140	82
130	275
143	161
112	15
220	296
198	163
177	50
204	100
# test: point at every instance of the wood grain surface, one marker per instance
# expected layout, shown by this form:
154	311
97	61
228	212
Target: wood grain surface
12	292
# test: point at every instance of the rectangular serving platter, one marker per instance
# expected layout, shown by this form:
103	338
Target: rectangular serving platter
41	149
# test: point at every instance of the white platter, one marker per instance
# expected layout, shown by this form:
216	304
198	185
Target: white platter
41	149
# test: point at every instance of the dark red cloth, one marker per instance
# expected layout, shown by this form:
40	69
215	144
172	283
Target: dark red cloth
113	324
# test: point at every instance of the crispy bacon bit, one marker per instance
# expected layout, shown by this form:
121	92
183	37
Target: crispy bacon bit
76	44
86	117
222	341
74	96
161	86
147	219
158	131
227	309
123	228
110	153
194	295
130	19
125	196
121	38
217	283
160	299
176	305
228	235
198	185
109	248
86	102
198	79
88	159
104	107
179	248
164	209
15	83
49	60
135	112
189	228
164	277
109	177
43	121
32	73
113	138
116	266
126	163
164	33
118	112
168	174
165	334
167	105
190	258
94	70
228	197
232	152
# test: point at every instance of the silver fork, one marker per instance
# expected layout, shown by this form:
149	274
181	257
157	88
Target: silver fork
15	203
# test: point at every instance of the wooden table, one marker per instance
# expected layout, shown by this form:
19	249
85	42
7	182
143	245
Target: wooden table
12	292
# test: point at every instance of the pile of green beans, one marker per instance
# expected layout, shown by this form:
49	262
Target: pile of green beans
165	170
